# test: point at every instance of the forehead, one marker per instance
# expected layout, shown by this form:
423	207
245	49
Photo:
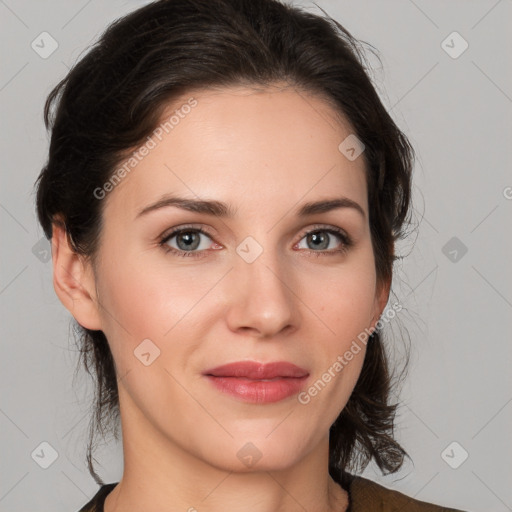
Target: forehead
254	149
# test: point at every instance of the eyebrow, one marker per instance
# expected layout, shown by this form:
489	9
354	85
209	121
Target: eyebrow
220	209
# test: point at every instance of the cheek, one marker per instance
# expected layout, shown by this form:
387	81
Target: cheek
344	302
168	306
145	322
344	307
139	303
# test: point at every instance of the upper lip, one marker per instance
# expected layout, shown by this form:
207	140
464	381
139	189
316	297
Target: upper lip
257	371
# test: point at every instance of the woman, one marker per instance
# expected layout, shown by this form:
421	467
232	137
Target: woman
223	193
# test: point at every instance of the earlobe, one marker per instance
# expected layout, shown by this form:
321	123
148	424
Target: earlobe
73	280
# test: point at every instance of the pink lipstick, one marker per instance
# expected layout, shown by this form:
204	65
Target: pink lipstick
256	382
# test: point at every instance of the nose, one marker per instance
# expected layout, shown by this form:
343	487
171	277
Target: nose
262	297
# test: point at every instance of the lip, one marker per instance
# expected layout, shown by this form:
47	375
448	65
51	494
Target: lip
260	383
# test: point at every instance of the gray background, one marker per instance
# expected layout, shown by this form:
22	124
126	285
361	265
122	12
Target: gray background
456	112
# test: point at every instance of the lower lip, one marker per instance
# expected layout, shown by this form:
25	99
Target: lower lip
258	391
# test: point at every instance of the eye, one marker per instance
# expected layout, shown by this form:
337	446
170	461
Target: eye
188	241
322	241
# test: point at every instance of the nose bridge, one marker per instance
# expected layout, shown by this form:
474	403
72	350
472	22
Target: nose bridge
259	259
262	296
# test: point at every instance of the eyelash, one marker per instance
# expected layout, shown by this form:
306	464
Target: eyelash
344	238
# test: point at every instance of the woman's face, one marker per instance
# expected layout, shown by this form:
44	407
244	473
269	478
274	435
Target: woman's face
254	288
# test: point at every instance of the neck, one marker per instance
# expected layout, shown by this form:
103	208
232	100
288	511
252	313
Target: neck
161	476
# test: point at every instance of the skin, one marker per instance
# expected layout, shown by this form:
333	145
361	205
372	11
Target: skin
264	152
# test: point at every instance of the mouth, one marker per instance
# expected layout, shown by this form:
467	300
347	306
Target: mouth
258	383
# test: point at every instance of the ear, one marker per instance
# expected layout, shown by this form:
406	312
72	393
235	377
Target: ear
74	281
382	294
381	299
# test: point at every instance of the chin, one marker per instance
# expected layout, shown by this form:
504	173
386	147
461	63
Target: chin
247	454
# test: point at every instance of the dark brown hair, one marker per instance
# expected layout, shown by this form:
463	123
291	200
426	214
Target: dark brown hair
113	98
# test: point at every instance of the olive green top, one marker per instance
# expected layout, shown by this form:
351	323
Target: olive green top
364	496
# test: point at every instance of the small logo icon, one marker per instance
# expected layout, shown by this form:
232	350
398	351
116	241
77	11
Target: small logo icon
249	249
146	352
454	250
249	455
351	147
45	455
44	45
454	45
454	455
42	250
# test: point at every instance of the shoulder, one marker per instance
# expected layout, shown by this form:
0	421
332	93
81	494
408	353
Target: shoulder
367	495
97	501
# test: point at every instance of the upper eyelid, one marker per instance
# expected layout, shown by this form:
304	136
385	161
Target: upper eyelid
178	229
